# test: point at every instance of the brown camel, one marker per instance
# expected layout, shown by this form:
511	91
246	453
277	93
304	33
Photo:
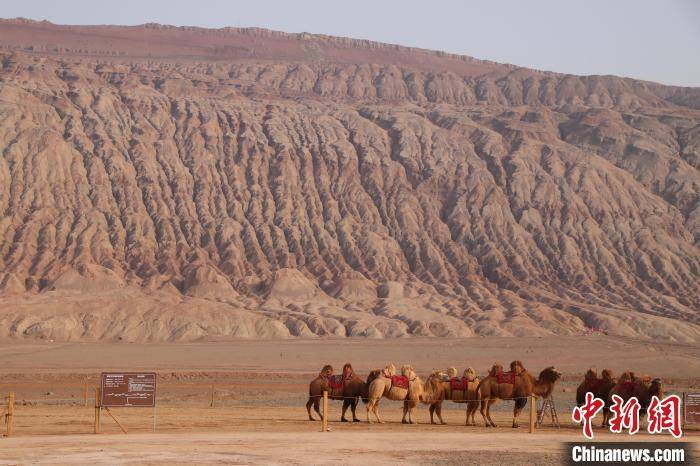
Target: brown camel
440	387
600	387
383	386
516	385
347	387
643	388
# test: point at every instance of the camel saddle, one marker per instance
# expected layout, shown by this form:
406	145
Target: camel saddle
506	377
399	381
336	382
459	384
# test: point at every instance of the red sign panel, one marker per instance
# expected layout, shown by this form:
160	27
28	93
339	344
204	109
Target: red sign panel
125	389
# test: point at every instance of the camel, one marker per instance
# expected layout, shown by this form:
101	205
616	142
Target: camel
600	387
517	385
382	386
643	388
438	388
352	388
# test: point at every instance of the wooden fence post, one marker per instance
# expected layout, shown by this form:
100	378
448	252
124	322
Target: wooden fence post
9	416
325	411
213	391
533	413
98	408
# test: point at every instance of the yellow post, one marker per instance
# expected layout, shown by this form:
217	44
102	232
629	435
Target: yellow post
533	413
10	413
97	410
325	410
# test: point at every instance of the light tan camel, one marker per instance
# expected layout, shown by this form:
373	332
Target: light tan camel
439	387
349	392
519	388
382	386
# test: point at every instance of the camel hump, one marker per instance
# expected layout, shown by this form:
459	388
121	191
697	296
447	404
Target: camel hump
517	367
469	374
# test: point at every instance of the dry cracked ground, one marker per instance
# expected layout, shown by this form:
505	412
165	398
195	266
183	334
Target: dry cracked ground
162	183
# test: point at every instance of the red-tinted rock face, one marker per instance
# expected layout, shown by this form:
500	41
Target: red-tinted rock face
177	184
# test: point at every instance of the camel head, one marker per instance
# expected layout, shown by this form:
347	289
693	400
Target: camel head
608	375
516	367
451	372
347	370
327	371
469	374
550	375
496	369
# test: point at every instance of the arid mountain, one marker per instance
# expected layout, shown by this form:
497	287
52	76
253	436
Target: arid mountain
163	183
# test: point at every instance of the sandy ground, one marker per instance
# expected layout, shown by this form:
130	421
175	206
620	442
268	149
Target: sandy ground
260	389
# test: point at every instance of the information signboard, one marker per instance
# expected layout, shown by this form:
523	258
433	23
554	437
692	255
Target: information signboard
128	389
691	408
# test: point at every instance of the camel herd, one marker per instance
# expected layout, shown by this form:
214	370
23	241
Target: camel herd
517	384
627	386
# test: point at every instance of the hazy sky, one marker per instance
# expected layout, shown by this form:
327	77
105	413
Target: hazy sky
653	40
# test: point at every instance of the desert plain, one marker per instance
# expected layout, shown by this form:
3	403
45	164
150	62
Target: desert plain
260	388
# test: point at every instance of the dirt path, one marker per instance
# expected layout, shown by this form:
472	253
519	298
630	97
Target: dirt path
338	447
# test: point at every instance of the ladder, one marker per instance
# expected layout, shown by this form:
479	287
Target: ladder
547	408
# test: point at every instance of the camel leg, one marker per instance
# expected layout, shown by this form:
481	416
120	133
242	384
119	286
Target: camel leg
353	405
431	410
471	412
376	412
606	414
308	408
317	404
412	409
438	411
519	405
482	410
346	403
369	407
488	412
405	410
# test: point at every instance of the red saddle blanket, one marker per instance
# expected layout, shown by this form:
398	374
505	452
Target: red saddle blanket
506	377
399	381
459	384
336	382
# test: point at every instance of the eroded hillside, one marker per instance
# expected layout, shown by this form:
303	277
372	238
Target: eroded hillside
344	188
